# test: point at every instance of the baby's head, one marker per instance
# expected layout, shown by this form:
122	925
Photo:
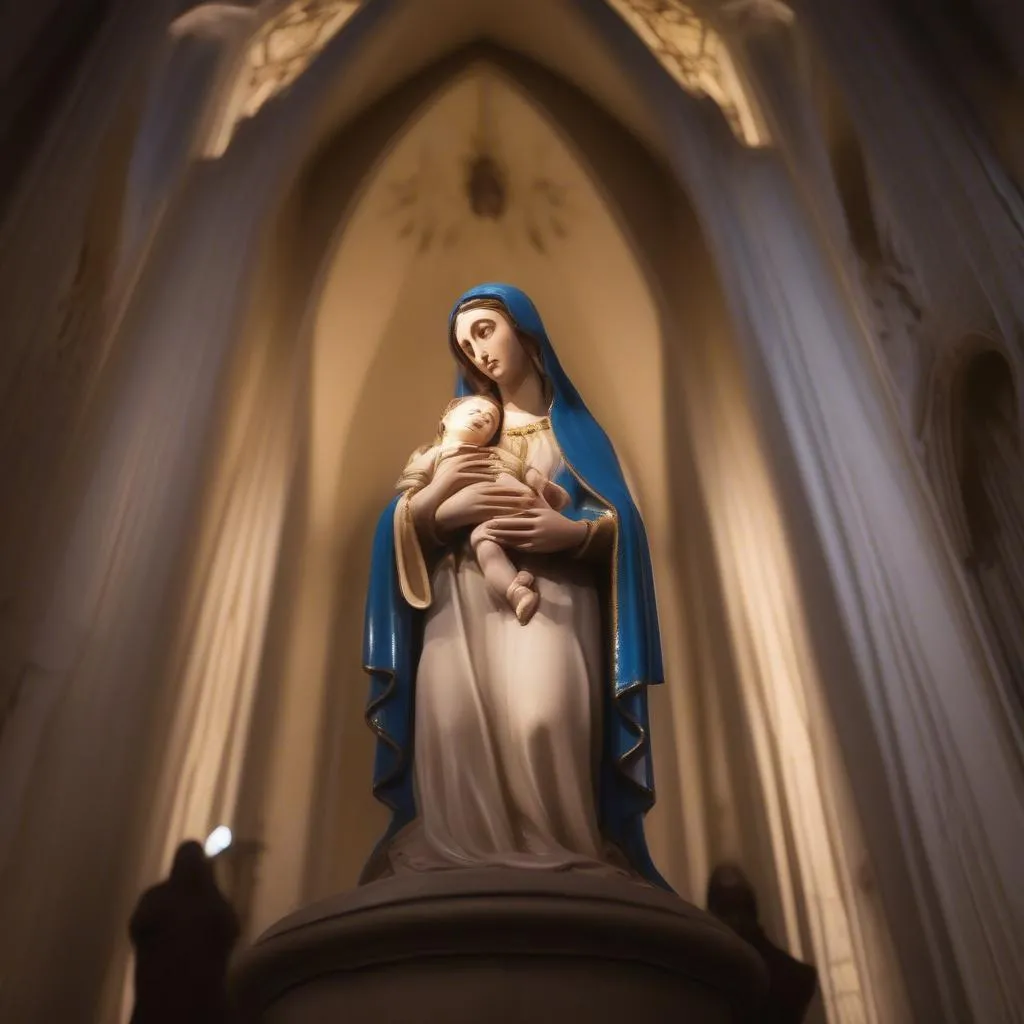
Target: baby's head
472	420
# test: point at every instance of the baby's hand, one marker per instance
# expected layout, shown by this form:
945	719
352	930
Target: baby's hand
555	495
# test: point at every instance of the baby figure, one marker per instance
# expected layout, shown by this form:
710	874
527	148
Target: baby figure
469	422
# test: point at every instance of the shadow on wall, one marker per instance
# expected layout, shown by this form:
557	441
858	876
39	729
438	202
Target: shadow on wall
183	931
792	984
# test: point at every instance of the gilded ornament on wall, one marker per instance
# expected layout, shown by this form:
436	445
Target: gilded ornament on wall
536	210
282	48
444	198
697	57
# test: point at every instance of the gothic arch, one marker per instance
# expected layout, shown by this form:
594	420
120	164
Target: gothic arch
977	466
290	34
261	177
247	207
264	178
986	401
300	233
340	173
514	79
944	423
387	122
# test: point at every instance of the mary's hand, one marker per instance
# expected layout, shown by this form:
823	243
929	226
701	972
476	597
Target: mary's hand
469	466
481	501
542	531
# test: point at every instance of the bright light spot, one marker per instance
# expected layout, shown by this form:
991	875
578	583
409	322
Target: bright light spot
218	841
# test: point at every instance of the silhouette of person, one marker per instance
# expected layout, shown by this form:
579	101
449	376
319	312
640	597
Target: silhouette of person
183	931
792	984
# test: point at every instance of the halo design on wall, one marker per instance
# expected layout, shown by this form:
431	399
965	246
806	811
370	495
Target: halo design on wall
435	208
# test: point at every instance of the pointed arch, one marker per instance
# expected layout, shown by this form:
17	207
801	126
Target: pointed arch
291	34
945	423
256	194
591	305
976	461
334	186
338	171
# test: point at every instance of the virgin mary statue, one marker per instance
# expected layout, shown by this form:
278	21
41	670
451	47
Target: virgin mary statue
499	744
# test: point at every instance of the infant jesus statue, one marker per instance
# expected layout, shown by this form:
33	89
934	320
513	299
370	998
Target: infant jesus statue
471	423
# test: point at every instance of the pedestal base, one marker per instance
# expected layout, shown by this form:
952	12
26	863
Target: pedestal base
499	947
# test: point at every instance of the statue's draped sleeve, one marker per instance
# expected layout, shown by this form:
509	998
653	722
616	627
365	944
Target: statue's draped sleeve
599	544
410	560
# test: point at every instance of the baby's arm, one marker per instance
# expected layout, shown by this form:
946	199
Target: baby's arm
419	470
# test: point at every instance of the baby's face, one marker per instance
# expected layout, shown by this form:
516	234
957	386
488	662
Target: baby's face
473	421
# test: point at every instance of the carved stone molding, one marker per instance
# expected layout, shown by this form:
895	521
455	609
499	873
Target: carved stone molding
977	469
697	57
279	51
899	323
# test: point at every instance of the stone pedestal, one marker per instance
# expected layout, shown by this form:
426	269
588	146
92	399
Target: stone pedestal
501	947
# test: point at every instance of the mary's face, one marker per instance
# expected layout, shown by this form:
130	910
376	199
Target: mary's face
490	344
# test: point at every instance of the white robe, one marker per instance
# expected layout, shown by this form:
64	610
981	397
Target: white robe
508	717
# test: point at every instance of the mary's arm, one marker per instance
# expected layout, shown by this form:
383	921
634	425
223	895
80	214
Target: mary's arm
599	541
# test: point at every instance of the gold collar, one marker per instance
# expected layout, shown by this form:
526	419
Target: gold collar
528	428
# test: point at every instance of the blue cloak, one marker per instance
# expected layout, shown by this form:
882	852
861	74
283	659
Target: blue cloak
393	631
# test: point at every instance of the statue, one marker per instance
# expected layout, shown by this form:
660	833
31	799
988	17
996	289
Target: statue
511	625
511	635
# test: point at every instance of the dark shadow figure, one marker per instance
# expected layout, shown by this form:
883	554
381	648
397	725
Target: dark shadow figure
792	984
183	931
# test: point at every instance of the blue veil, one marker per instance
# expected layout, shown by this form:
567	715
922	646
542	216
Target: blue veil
393	629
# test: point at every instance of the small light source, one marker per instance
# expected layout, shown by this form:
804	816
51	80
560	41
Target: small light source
217	841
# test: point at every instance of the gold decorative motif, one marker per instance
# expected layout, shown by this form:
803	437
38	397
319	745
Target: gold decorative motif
521	202
697	58
581	549
281	49
527	428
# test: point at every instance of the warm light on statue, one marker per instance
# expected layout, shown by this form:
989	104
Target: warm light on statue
504	717
511	633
